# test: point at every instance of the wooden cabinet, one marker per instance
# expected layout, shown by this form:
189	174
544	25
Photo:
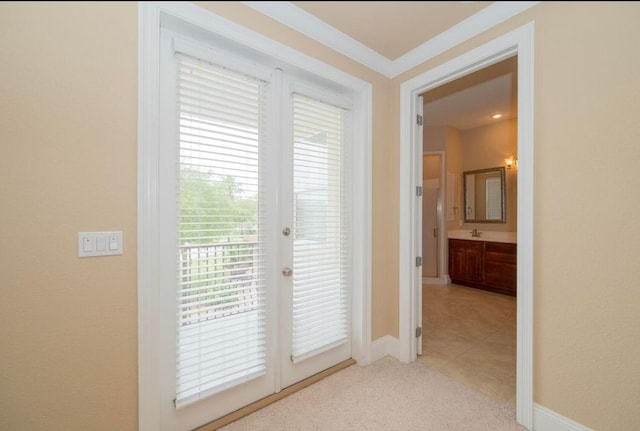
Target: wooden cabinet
465	260
500	269
484	265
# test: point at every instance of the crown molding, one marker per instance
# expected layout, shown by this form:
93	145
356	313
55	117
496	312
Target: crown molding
302	21
307	24
488	17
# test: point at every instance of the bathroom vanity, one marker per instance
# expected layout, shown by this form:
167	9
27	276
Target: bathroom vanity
484	263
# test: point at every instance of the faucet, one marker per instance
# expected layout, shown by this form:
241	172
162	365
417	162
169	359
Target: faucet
475	233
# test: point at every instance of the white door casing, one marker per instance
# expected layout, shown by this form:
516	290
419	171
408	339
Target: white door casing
517	42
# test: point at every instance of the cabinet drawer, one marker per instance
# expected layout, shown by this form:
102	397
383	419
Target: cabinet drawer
501	252
465	244
502	247
499	274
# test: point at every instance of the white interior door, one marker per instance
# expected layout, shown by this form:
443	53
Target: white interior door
249	308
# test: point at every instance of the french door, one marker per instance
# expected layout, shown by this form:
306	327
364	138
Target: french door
255	242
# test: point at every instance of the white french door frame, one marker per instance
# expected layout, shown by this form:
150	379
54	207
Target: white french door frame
150	17
517	42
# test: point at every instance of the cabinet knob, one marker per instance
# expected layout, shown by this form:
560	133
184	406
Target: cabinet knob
286	271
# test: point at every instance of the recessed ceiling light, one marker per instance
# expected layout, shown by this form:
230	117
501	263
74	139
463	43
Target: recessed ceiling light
496	116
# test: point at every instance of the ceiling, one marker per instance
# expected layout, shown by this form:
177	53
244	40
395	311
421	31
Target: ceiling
470	101
392	28
394	36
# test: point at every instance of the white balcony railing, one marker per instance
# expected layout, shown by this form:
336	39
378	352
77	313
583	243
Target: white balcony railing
218	280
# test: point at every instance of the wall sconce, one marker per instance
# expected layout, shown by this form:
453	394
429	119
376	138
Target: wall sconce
511	161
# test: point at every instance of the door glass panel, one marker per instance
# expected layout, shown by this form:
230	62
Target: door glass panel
221	275
320	253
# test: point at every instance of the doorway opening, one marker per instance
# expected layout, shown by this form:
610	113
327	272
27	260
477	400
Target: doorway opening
469	315
518	43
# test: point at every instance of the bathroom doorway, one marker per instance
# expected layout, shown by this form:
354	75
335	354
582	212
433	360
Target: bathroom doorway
518	42
468	333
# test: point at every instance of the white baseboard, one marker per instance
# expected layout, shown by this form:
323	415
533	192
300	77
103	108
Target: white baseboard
434	280
385	346
548	420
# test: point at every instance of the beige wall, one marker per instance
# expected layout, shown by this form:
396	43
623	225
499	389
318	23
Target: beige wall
434	138
587	362
68	102
68	121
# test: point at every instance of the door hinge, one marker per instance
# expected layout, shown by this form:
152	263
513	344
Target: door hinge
419	332
419	261
418	191
419	120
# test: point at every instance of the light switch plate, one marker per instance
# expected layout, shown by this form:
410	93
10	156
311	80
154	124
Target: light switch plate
99	243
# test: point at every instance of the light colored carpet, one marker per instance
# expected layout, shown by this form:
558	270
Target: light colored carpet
386	395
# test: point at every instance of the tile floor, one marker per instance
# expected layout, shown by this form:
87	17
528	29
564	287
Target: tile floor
470	335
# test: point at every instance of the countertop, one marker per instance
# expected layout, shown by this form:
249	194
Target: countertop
510	237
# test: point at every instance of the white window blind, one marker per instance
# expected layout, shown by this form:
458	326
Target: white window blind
321	254
221	270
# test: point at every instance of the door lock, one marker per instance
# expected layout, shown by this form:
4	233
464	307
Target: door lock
286	231
286	271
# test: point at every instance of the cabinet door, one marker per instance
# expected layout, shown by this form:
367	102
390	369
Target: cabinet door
465	260
456	260
473	258
500	270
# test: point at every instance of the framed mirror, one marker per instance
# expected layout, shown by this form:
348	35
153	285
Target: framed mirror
484	196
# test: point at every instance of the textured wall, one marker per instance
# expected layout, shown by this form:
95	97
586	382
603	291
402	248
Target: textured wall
68	131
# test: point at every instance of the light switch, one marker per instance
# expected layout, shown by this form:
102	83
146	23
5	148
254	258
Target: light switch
99	243
113	242
88	244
